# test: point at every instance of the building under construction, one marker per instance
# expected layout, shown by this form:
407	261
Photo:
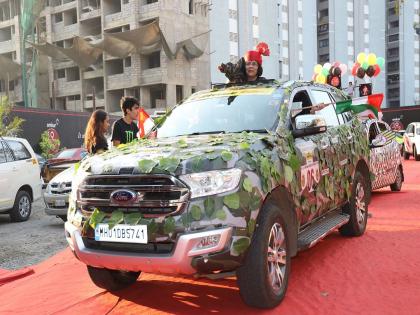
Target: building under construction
85	54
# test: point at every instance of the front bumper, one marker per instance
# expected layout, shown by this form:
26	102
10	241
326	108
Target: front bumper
56	204
178	262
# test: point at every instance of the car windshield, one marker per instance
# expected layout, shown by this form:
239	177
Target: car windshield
230	110
66	154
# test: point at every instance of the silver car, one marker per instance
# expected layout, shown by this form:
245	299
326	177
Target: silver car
56	194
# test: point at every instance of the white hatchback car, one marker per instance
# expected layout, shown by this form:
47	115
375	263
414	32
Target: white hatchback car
412	141
20	178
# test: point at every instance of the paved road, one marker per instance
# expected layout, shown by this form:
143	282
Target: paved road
27	243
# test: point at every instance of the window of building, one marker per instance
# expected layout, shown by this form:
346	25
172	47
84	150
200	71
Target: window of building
70	17
323	28
58	17
60	43
280	68
179	93
127	62
150	1
393	38
191	7
323	43
126	1
323	14
193	90
393	78
153	60
393	52
60	74
73	74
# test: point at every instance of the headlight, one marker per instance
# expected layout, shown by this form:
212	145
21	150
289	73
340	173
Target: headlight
212	182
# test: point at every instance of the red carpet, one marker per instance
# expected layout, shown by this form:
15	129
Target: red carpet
378	273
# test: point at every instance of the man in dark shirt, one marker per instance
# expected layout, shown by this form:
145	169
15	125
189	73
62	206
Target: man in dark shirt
125	129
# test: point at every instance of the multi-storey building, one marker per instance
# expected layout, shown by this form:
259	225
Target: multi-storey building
157	80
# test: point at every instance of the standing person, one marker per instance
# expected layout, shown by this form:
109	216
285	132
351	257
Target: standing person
253	62
125	129
350	89
97	126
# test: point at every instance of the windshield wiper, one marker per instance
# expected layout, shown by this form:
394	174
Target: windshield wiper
257	130
206	133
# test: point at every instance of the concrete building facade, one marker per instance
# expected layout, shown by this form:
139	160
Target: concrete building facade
154	78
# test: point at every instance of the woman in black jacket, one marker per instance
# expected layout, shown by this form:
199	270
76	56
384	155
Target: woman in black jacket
98	124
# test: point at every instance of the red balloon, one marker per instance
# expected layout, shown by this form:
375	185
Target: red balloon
377	70
336	64
314	77
360	73
354	69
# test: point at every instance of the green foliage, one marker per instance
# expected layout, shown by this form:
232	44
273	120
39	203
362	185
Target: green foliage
146	166
12	127
48	146
232	201
96	218
196	213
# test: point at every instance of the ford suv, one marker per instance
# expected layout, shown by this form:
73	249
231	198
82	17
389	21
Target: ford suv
239	180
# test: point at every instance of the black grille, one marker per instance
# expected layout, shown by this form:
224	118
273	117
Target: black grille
150	248
155	194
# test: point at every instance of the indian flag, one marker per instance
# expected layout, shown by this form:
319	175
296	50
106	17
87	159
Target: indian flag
366	106
145	123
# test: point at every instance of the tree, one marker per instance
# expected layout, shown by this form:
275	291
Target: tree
9	127
48	146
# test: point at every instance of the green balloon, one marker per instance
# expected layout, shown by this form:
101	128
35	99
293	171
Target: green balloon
325	72
365	65
381	62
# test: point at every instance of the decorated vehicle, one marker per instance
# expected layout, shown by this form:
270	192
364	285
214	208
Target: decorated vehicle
385	157
412	141
62	161
239	179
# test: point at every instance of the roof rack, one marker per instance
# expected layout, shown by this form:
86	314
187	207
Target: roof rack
259	82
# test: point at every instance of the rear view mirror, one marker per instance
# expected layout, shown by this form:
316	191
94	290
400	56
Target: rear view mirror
309	125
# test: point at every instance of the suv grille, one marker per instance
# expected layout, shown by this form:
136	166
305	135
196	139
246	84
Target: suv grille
61	188
156	194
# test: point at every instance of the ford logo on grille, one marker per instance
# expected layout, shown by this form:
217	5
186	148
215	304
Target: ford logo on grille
123	197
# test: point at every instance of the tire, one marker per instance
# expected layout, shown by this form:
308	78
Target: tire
112	280
357	207
398	181
254	277
416	156
22	207
62	217
406	155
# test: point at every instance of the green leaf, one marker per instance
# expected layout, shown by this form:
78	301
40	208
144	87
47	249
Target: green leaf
169	164
265	167
186	219
232	201
254	202
209	207
146	166
169	225
209	150
182	144
116	218
227	156
76	167
196	212
132	218
221	215
247	185
96	218
197	164
251	226
288	173
294	162
244	146
241	245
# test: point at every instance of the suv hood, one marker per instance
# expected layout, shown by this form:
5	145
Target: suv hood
177	155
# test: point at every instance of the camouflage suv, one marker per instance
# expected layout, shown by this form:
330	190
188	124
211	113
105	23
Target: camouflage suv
239	180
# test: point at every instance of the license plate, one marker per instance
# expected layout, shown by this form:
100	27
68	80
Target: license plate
60	203
121	233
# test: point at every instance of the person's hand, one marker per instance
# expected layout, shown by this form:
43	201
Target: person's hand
317	107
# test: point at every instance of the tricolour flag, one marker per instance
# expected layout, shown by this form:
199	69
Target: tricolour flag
145	123
366	106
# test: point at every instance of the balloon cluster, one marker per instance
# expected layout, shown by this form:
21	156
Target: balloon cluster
367	64
330	73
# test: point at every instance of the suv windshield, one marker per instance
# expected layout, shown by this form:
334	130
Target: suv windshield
230	110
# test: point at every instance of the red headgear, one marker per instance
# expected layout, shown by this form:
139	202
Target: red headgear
255	55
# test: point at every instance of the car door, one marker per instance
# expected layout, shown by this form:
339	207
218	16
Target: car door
23	166
409	138
7	177
308	201
334	147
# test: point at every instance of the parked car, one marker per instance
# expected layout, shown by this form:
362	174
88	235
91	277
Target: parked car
385	156
62	161
56	194
20	179
239	180
412	141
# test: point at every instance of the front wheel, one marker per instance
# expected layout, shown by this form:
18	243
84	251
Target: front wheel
264	276
22	207
112	280
357	207
406	155
396	186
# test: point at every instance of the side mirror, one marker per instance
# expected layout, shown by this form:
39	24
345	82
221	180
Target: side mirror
379	141
307	125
